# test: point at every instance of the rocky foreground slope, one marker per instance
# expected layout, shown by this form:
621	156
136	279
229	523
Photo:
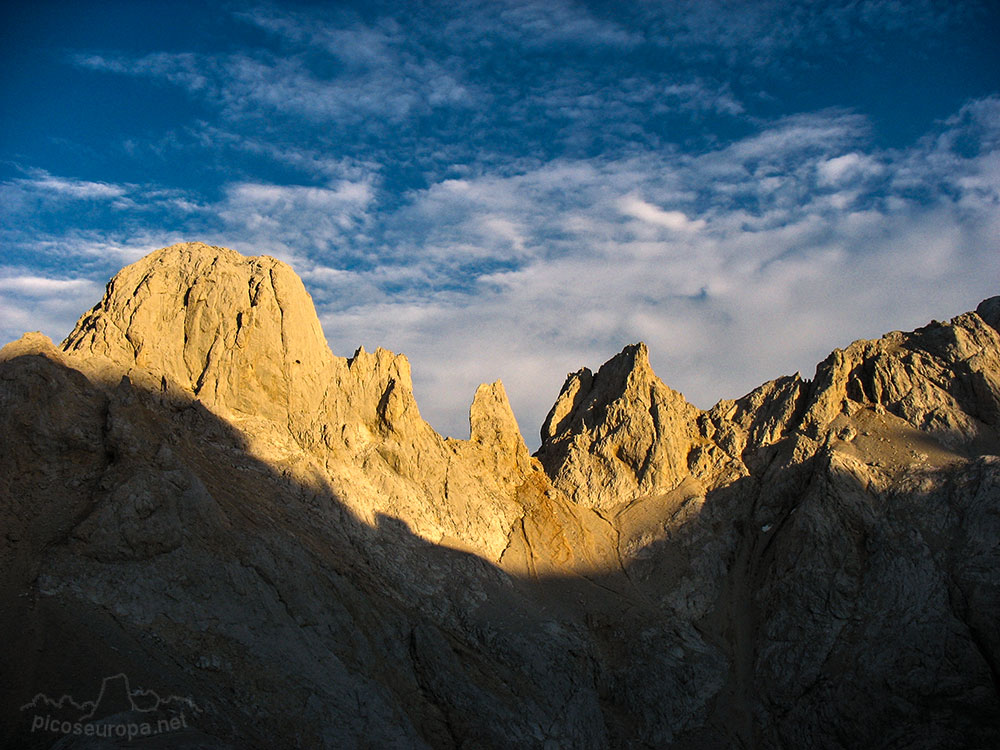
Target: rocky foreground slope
196	494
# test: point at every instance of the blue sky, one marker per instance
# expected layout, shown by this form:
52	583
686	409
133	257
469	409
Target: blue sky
519	189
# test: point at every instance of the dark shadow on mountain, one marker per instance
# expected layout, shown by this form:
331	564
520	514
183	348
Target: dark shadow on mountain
797	608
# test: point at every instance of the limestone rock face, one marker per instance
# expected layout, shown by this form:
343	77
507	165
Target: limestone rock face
237	332
196	493
855	503
493	427
619	434
242	337
942	379
762	417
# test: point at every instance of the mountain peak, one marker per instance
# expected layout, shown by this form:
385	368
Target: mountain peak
492	424
237	332
634	356
629	368
617	434
582	388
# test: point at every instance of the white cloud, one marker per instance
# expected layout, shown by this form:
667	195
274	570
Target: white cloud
314	162
294	220
770	33
702	97
41	286
559	22
31	302
673	220
799	136
535	25
40	185
80	189
386	74
846	168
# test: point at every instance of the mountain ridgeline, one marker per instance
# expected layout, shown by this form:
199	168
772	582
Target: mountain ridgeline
196	494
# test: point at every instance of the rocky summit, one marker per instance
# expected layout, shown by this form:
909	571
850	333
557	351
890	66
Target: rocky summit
216	532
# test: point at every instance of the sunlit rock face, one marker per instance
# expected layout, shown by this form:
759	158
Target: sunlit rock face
196	493
241	336
619	434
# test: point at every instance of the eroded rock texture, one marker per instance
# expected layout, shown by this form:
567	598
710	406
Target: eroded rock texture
195	492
